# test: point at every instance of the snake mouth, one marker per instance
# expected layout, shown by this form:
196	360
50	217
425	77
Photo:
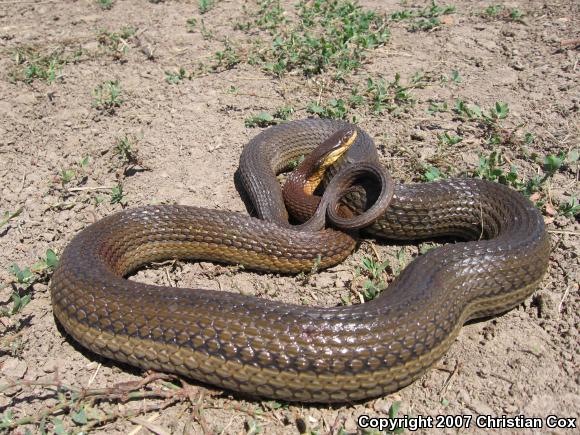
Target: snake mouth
326	154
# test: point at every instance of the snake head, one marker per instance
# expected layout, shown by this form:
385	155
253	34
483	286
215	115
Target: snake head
329	151
310	172
325	155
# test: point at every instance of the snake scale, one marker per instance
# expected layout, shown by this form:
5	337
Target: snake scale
289	352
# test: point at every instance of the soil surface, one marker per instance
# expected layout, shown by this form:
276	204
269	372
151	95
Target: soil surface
171	137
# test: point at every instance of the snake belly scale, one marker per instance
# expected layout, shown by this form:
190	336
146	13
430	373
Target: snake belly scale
297	353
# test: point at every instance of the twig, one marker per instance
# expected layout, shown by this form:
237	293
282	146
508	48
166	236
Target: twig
374	249
78	189
449	379
94	375
562	300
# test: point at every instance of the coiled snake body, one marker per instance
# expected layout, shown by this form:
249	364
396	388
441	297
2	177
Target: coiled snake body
290	352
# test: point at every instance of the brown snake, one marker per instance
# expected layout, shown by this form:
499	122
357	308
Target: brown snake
297	353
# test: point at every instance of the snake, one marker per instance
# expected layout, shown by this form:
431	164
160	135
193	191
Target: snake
270	349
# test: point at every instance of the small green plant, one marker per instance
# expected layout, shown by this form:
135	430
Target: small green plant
23	276
191	24
449	139
455	77
105	4
227	58
26	277
84	163
293	164
66	176
493	10
425	24
435	107
116	42
334	109
431	173
553	163
174	78
571	208
500	12
205	6
107	96
490	168
270	15
516	14
424	19
30	65
393	411
19	302
466	111
118	196
126	151
392	96
264	119
8	216
374	283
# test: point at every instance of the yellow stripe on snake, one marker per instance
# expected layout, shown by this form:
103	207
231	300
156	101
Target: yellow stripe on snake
289	352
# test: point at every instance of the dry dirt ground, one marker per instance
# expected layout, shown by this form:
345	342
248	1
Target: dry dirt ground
175	137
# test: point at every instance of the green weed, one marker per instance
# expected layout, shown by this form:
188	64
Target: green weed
174	78
270	15
191	24
431	173
516	14
118	196
393	412
107	96
124	149
375	282
227	58
205	6
502	13
334	109
116	42
66	176
455	77
492	10
435	107
327	36
31	65
379	97
105	4
393	96
553	163
264	119
490	120
8	216
18	303
449	139
26	277
493	168
424	19
570	208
